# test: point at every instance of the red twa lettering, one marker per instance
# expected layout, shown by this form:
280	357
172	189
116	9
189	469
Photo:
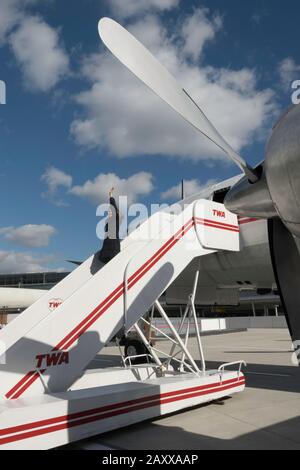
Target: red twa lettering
54	303
220	214
52	359
64	358
39	360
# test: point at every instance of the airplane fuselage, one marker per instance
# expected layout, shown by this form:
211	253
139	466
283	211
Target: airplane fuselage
224	274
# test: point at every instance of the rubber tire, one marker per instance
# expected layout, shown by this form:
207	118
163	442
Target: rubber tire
139	347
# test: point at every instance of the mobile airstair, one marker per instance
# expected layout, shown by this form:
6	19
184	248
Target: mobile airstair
48	397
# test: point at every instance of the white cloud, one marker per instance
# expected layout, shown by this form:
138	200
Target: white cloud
11	12
55	179
31	236
289	71
191	187
121	115
150	32
139	184
12	262
38	51
128	8
35	44
197	30
9	15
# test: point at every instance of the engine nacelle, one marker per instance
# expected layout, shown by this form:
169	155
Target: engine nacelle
282	169
277	191
251	199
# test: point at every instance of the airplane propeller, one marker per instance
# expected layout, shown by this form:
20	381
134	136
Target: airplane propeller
149	70
270	191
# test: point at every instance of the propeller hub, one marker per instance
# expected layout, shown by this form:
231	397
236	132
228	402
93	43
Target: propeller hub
249	199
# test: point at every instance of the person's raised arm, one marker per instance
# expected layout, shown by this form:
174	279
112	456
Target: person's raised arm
112	200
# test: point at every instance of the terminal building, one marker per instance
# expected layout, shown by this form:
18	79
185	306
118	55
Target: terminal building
32	280
252	303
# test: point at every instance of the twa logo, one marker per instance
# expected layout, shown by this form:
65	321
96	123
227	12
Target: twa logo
52	359
54	303
220	214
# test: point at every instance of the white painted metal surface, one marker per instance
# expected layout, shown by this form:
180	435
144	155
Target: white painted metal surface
52	354
52	421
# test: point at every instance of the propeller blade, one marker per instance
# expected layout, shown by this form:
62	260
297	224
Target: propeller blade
286	264
146	67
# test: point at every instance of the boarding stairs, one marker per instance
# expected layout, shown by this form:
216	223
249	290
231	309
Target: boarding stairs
45	351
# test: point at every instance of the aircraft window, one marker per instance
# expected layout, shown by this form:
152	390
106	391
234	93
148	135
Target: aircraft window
220	194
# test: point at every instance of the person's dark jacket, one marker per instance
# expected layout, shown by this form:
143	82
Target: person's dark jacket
111	244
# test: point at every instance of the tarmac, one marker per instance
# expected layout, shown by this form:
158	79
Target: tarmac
265	416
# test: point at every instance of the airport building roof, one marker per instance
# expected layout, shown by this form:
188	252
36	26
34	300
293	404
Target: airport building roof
32	280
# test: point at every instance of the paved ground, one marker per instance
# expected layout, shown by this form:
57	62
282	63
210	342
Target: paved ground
265	416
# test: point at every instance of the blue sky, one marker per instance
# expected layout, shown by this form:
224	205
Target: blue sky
76	121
